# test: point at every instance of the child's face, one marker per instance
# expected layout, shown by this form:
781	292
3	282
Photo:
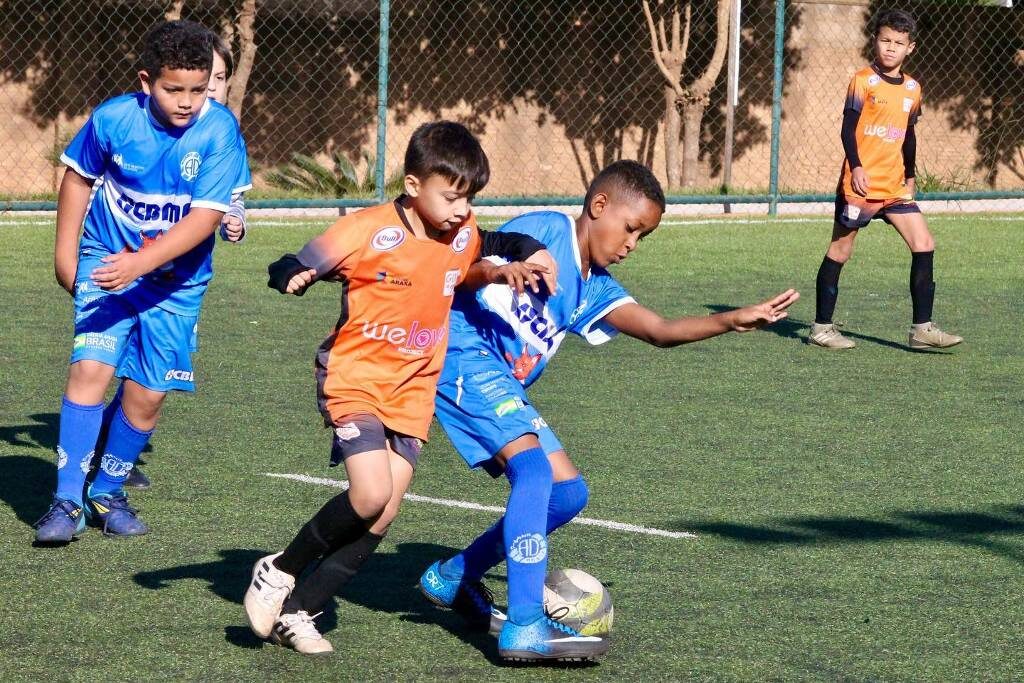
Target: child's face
892	47
218	90
440	203
178	94
618	226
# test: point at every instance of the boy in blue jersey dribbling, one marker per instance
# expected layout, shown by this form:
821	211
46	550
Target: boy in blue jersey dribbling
499	343
171	161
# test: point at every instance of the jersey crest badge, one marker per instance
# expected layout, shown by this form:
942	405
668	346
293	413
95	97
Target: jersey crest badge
190	166
387	238
461	240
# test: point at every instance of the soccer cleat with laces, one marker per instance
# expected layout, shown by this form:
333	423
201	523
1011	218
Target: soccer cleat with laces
827	335
137	479
547	640
61	523
473	600
267	591
298	632
931	337
111	512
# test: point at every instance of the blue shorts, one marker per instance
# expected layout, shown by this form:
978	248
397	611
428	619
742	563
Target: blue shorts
484	408
145	344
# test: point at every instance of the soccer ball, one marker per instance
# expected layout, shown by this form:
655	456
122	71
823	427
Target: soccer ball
578	600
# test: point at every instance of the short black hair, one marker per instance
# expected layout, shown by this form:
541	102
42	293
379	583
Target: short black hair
897	20
180	44
628	177
448	149
221	47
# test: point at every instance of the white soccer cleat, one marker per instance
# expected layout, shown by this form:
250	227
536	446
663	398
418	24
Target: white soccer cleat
826	335
266	594
298	632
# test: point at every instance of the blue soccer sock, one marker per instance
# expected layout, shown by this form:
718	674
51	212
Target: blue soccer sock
76	443
568	498
525	535
124	444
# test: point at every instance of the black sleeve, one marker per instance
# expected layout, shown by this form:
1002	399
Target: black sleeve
282	270
849	135
910	153
512	245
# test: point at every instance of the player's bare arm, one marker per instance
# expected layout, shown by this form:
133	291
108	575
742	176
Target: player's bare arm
646	325
72	202
120	270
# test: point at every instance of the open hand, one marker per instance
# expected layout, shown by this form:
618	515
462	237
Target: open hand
518	275
765	313
120	270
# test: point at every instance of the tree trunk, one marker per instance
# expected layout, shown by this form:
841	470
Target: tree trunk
246	57
673	158
693	115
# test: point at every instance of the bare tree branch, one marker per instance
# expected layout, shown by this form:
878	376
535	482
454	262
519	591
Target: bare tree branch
173	13
672	81
246	56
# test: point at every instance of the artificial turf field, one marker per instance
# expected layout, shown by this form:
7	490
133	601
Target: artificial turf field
859	515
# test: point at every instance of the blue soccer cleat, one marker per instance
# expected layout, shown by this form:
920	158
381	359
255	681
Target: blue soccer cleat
61	523
111	512
547	640
471	600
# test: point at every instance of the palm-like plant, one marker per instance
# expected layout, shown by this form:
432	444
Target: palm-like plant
307	175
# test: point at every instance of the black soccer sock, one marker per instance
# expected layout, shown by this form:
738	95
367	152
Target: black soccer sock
827	286
327	580
922	288
332	527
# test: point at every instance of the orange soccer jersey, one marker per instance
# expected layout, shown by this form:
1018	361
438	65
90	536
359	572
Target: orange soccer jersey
386	351
886	109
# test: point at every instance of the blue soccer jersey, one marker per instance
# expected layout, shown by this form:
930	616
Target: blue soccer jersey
526	330
152	176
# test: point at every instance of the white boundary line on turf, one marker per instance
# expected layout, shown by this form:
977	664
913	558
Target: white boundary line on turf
603	523
669	221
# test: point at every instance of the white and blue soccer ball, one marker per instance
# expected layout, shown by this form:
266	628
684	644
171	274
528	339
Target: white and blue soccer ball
578	600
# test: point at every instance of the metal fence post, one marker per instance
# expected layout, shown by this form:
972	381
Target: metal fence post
382	99
780	43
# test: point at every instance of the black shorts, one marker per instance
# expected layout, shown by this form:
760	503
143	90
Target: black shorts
364	432
854	212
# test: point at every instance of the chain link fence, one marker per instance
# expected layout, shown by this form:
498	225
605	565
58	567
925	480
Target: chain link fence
555	89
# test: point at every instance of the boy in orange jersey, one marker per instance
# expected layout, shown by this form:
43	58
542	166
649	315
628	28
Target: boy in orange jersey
882	107
399	264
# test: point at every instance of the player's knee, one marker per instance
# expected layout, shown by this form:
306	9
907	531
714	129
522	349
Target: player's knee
840	253
923	242
370	502
390	513
89	375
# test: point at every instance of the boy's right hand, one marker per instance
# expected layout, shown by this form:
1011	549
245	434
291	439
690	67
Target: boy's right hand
765	313
859	181
288	276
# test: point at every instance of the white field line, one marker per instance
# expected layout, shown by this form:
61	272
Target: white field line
668	222
603	523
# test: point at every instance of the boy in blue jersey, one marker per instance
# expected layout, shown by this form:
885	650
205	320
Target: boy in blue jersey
171	162
499	343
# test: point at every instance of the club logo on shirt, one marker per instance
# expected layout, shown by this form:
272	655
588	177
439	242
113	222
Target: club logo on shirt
392	279
415	341
118	159
461	240
908	104
190	166
911	84
888	133
874	79
451	278
387	238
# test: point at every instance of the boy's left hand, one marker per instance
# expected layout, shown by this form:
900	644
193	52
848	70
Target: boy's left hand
121	270
233	228
765	313
550	277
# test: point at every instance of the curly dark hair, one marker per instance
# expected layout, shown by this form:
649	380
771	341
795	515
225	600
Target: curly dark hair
897	20
629	177
180	44
448	149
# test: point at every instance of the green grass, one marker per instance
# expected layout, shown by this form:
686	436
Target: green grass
859	513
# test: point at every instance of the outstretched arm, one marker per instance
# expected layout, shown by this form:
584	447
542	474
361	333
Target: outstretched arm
646	325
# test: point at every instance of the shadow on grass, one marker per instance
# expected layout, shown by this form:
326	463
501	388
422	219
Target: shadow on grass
794	328
387	583
27	486
986	530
